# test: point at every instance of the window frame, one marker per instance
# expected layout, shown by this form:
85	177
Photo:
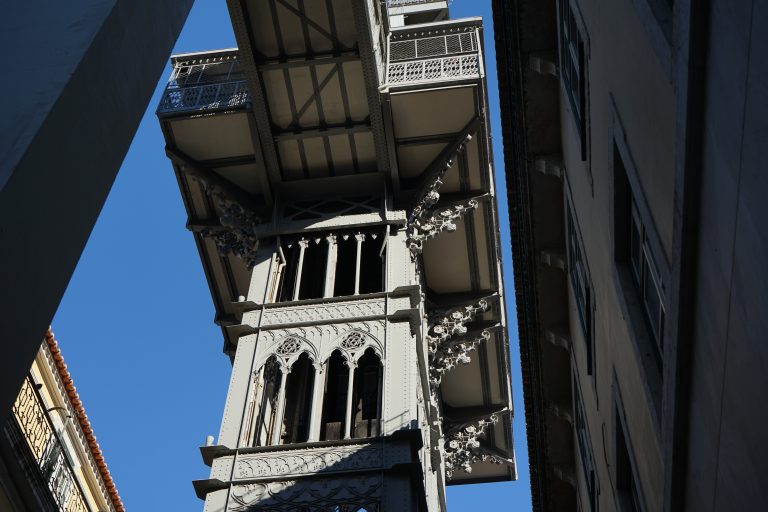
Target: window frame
636	502
581	283
626	191
646	269
573	51
288	274
584	444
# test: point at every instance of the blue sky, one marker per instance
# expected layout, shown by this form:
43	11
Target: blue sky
136	323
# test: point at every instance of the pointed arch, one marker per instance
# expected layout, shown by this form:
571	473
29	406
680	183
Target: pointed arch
353	343
298	400
289	347
366	395
332	425
268	381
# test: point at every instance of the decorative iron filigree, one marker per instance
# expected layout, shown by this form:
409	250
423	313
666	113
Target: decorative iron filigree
451	354
423	222
447	348
352	493
353	341
422	230
289	346
237	233
453	323
463	448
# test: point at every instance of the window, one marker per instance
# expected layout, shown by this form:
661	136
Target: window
313	268
371	278
346	259
298	401
585	447
356	265
582	288
572	68
268	390
366	396
627	490
647	280
634	251
335	398
281	409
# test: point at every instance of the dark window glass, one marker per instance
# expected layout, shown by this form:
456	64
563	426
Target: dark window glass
313	270
582	288
585	448
572	63
335	398
289	271
633	249
366	396
628	493
371	265
298	401
346	256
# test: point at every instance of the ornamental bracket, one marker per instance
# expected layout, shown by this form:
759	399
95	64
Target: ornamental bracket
463	448
453	322
448	341
452	353
424	222
423	229
237	230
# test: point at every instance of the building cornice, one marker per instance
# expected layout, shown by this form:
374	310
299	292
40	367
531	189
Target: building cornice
512	91
82	419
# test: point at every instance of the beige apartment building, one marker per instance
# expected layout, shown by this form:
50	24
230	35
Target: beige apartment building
634	136
49	458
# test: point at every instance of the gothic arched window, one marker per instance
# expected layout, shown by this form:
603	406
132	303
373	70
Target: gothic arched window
333	423
267	394
366	396
298	401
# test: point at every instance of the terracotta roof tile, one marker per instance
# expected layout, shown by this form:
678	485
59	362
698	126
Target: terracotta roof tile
82	418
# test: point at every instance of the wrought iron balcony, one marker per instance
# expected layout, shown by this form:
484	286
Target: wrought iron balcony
205	84
48	450
452	55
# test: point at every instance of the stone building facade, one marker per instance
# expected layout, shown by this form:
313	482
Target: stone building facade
633	130
337	173
49	458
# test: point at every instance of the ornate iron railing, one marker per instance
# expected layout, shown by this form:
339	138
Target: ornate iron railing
48	450
224	95
451	56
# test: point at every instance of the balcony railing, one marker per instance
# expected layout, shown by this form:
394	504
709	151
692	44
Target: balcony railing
205	83
452	56
48	450
227	95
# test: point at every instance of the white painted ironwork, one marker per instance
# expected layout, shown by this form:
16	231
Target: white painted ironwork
435	46
463	448
451	56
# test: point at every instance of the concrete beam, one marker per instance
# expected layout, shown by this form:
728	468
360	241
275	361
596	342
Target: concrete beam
83	73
